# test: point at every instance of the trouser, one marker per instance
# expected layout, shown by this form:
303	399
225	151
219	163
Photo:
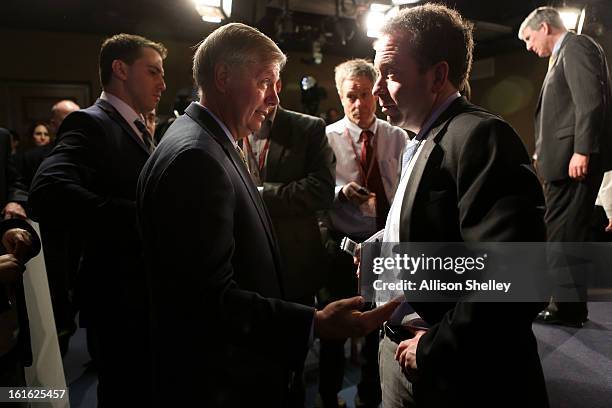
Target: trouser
569	210
342	283
123	361
297	388
396	389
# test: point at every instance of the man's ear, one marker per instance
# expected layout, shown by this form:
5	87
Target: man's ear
120	69
440	76
545	28
222	74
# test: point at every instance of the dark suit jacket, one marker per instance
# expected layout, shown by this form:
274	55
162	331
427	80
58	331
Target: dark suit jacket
88	183
299	181
214	271
27	162
574	112
472	182
12	187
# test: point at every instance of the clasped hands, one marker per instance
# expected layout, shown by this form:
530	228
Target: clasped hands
17	243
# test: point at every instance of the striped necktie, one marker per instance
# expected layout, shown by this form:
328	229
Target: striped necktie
146	136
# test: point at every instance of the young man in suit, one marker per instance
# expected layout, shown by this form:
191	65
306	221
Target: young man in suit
218	308
572	131
465	178
88	182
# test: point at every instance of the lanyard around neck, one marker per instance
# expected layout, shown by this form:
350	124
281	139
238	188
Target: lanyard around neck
262	154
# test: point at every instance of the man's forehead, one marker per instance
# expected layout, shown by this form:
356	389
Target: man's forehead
387	46
356	83
264	68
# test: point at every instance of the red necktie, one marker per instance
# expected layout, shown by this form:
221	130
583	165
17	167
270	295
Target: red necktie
373	181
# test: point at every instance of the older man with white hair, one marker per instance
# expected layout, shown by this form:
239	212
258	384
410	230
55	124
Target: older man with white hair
573	121
223	334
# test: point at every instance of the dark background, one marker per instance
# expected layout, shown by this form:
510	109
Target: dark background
49	48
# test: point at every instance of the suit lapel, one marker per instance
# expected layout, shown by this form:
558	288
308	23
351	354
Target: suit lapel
278	132
113	114
416	176
203	118
555	62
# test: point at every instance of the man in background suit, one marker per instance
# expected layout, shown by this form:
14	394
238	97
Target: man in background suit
572	131
367	151
465	177
293	167
217	292
88	182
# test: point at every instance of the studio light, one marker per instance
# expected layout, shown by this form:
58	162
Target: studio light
213	11
573	18
378	14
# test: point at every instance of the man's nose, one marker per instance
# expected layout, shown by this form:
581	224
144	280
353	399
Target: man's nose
377	89
272	97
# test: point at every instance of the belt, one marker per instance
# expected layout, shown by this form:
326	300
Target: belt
398	333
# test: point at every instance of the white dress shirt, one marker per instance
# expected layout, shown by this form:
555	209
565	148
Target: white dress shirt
124	110
346	217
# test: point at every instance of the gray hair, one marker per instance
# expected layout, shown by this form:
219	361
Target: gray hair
534	20
354	68
233	44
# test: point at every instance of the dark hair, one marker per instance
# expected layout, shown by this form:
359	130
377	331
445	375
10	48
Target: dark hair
436	33
124	47
35	125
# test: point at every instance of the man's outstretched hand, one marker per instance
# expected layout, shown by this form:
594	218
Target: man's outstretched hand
342	318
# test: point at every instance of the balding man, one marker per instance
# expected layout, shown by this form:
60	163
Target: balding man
59	111
223	334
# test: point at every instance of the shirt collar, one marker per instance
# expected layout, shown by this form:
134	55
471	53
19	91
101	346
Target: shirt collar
125	110
558	44
221	124
355	131
435	115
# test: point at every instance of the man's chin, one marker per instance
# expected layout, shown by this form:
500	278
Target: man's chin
254	127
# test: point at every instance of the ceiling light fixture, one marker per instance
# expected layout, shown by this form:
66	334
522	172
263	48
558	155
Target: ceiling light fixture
213	11
378	14
573	18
